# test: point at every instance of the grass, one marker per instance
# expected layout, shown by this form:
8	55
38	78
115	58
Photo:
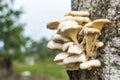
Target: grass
47	67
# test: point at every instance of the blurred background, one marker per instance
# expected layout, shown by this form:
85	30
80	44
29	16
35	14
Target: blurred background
24	36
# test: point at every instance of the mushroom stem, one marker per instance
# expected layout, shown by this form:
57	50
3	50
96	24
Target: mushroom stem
94	42
82	44
90	40
90	37
73	36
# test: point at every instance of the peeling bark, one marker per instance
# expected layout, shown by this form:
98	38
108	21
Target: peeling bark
110	53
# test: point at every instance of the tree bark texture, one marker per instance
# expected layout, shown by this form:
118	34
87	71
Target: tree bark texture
110	53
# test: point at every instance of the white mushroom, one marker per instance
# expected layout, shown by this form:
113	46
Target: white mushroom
78	13
99	23
54	46
76	37
67	45
59	58
75	58
79	20
99	44
66	23
90	39
75	49
53	24
88	25
89	64
59	38
89	31
71	31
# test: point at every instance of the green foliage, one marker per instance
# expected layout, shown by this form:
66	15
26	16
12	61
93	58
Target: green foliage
46	67
10	30
14	41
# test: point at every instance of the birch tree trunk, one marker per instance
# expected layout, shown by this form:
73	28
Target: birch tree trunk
110	53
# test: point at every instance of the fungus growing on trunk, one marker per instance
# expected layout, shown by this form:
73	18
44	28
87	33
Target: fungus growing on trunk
75	49
80	20
71	32
54	46
88	25
59	38
99	23
75	58
66	23
67	45
89	36
76	38
78	13
90	64
99	44
59	58
53	25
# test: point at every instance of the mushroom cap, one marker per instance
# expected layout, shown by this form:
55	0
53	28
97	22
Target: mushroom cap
75	58
66	23
53	24
73	27
99	44
88	25
78	13
79	20
75	49
99	23
67	45
59	38
70	30
60	62
54	46
85	31
60	56
89	64
65	31
65	18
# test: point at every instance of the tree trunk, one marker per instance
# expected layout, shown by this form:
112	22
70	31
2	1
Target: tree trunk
110	53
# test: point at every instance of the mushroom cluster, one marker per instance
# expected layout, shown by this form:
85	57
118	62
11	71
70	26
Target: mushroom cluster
76	37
